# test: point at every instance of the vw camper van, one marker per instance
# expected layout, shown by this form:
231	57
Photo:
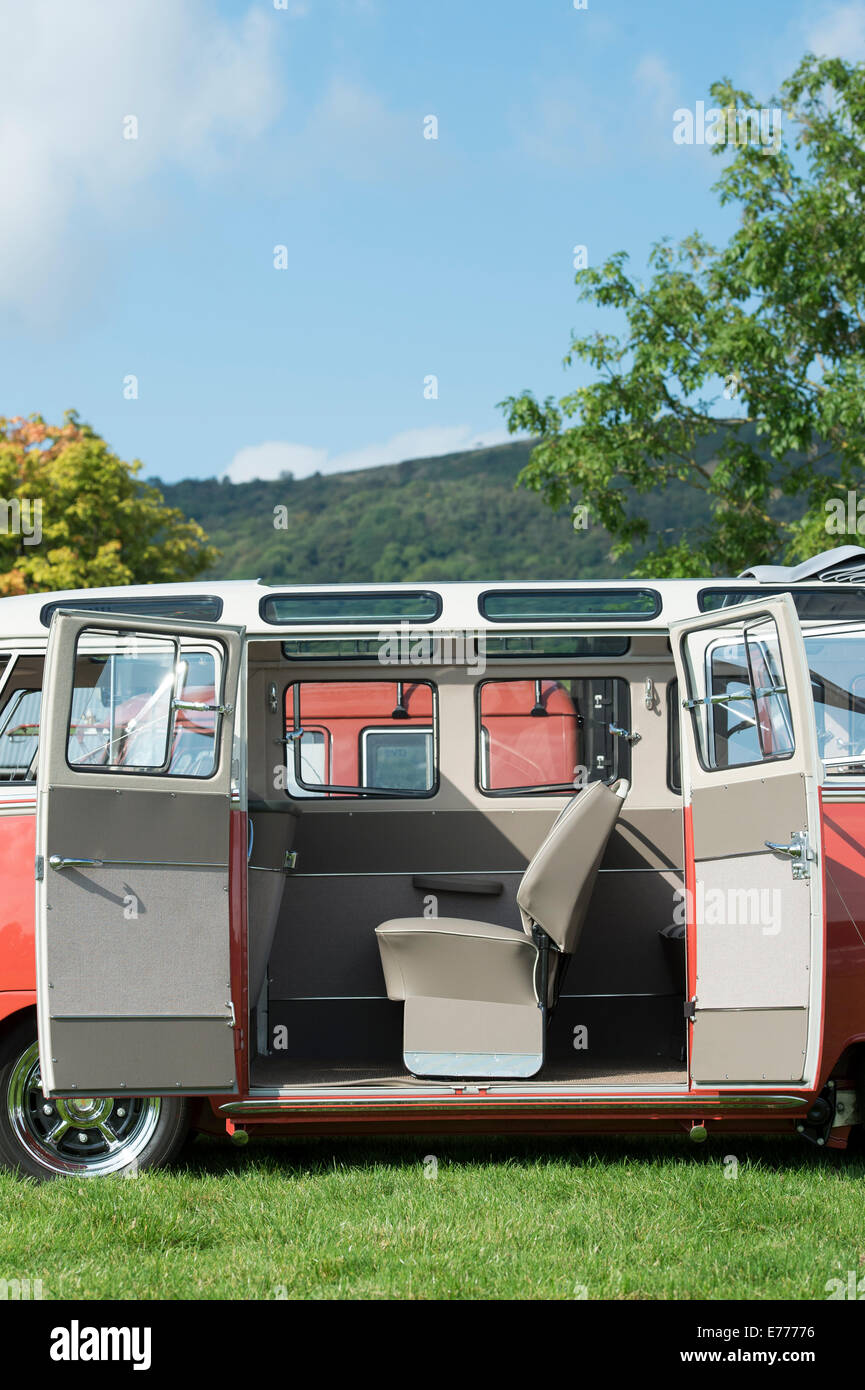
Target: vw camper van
573	858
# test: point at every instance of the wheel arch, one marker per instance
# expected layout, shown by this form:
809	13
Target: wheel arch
18	1015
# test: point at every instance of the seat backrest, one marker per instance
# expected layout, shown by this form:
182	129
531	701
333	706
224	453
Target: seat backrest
556	887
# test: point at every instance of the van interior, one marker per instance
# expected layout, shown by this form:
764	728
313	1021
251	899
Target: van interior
466	869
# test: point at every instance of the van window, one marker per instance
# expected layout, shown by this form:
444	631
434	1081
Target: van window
361	738
548	735
837	665
572	605
128	710
823	603
420	606
397	758
19	735
749	720
192	753
445	648
201	608
313	753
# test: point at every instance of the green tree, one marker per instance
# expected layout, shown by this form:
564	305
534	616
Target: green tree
73	515
774	320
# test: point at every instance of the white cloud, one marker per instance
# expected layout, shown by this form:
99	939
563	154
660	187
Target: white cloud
205	91
201	87
839	32
416	444
273	458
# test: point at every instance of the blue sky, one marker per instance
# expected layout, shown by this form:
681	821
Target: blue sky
303	127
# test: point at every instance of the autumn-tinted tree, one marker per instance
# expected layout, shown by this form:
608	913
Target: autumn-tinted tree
74	515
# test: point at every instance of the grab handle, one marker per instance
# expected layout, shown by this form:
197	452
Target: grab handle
57	862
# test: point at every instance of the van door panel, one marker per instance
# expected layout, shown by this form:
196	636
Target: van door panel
181	1048
163	829
726	1045
758	956
133	948
104	960
718	833
756	926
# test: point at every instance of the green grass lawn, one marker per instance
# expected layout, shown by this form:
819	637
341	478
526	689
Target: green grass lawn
500	1219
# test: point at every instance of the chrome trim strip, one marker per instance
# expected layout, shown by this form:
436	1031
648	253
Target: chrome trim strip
689	1104
754	1008
144	1018
145	864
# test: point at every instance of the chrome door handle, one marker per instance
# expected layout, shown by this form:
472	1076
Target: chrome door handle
799	850
57	862
794	849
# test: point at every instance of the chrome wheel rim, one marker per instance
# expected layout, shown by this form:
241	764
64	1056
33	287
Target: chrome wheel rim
83	1136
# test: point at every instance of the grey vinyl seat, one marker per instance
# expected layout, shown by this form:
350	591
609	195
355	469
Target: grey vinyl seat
477	995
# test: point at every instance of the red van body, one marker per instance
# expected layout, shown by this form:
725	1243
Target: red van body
531	733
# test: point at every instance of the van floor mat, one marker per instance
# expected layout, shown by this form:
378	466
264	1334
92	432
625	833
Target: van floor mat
278	1071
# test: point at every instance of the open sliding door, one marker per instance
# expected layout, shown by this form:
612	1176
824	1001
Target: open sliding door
134	794
750	778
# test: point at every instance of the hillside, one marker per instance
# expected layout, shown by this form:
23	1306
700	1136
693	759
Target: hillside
456	517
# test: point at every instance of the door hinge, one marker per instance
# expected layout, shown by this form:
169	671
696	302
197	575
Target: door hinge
690	1009
232	1016
40	868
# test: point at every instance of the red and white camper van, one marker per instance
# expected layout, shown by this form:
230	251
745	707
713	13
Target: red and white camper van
559	857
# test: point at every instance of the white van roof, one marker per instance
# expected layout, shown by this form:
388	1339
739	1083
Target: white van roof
461	605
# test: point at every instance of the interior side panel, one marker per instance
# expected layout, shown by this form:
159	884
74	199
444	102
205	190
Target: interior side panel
620	952
272	838
492	840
